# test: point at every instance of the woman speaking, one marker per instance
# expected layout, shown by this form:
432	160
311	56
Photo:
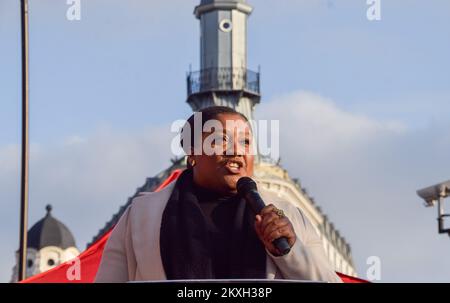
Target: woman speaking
199	227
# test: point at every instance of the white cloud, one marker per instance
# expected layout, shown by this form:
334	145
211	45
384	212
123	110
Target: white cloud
319	123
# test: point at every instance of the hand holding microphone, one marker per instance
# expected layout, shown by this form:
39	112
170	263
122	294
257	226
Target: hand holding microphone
273	228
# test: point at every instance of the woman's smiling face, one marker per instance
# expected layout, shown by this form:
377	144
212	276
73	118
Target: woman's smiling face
227	153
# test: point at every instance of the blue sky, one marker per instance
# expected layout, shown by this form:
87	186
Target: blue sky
104	90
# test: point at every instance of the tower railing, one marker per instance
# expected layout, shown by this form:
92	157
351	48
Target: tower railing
223	79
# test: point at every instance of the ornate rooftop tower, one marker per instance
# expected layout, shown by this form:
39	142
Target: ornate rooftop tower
223	78
50	243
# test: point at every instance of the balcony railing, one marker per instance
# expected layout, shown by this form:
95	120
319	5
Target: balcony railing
223	79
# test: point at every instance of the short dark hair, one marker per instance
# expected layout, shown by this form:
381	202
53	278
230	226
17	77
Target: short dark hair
208	113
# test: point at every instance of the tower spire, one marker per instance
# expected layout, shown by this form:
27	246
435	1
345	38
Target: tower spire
223	78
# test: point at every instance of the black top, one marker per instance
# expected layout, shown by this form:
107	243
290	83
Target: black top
219	211
205	235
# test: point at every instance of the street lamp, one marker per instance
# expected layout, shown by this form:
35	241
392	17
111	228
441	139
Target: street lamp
437	193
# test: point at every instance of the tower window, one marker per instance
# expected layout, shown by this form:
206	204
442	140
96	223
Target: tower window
225	25
29	263
51	262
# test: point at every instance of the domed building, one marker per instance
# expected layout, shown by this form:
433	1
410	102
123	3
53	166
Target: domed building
50	243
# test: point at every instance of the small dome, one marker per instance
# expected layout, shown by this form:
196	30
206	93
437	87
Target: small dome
50	232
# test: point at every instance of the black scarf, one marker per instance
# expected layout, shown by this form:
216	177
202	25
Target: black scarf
185	248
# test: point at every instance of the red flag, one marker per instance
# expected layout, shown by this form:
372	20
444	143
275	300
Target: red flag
83	268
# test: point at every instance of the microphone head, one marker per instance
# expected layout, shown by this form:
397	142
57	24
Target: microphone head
245	184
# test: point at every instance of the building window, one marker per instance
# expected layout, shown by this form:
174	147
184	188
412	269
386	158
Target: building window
225	25
50	262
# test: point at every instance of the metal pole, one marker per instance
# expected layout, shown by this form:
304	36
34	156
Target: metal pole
25	144
440	218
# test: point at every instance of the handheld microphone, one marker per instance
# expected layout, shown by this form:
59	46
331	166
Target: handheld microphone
247	189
